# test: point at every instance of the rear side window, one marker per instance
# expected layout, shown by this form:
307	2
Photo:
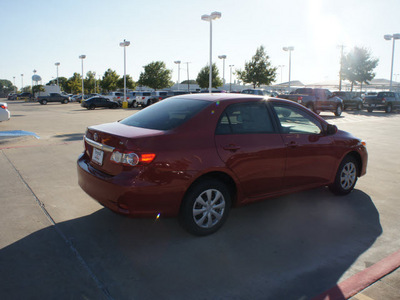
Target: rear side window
242	118
167	114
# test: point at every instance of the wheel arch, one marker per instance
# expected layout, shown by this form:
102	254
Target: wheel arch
220	176
358	159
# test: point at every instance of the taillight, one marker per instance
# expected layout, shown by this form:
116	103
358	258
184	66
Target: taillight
3	106
299	99
131	158
383	100
142	98
159	98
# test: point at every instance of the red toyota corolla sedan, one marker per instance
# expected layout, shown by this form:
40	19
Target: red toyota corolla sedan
195	156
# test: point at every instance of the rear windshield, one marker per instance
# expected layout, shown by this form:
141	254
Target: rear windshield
167	114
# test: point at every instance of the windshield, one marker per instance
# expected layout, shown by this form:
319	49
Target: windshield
167	114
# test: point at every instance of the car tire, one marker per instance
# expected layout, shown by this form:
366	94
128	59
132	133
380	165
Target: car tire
310	106
92	106
65	101
114	106
370	109
205	207
338	110
43	102
346	176
388	108
359	106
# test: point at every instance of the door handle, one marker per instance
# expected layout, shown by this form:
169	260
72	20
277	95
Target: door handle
231	147
292	144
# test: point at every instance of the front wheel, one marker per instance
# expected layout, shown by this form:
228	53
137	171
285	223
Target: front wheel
338	110
346	176
205	207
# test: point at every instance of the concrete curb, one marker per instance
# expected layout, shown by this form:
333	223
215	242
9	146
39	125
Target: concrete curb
363	279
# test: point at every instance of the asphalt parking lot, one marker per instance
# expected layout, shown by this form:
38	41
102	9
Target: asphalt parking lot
58	243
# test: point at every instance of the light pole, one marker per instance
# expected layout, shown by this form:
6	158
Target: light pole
209	18
14	85
187	68
281	67
290	49
178	62
230	78
82	57
34	73
223	57
22	81
388	37
125	44
57	64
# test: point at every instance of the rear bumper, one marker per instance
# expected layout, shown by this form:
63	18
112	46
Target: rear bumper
132	194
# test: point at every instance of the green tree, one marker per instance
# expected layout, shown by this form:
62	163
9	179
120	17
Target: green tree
258	71
62	82
358	66
110	81
203	78
37	89
156	76
74	84
6	87
130	84
90	82
191	81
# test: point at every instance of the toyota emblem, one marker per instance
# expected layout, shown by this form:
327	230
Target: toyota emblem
96	137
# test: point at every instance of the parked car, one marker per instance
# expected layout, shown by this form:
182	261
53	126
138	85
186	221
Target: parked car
316	100
386	101
157	96
142	98
97	101
4	112
24	96
195	156
350	99
12	96
259	92
53	97
119	97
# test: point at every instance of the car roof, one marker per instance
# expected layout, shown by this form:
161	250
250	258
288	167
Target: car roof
228	96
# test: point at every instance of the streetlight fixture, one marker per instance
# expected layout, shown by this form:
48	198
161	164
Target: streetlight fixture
209	18
178	62
290	49
388	37
230	79
223	57
82	57
57	64
125	44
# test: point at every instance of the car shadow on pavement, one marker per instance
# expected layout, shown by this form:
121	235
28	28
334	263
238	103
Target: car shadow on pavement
292	247
70	137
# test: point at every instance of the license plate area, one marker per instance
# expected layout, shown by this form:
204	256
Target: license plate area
97	156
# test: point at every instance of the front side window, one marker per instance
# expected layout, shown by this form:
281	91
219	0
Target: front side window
295	120
249	117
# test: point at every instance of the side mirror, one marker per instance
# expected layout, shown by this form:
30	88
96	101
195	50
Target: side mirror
331	129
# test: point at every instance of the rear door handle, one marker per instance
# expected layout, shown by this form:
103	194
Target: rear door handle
231	147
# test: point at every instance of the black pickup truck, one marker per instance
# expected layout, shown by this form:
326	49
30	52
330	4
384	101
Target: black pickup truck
386	101
53	97
316	100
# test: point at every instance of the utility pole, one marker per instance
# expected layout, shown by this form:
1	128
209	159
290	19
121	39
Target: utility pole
341	67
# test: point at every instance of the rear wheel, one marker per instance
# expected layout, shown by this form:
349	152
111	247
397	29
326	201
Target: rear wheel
205	207
346	176
388	108
92	106
43	102
65	101
310	106
359	106
370	109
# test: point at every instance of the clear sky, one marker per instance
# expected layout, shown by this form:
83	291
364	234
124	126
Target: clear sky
37	34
